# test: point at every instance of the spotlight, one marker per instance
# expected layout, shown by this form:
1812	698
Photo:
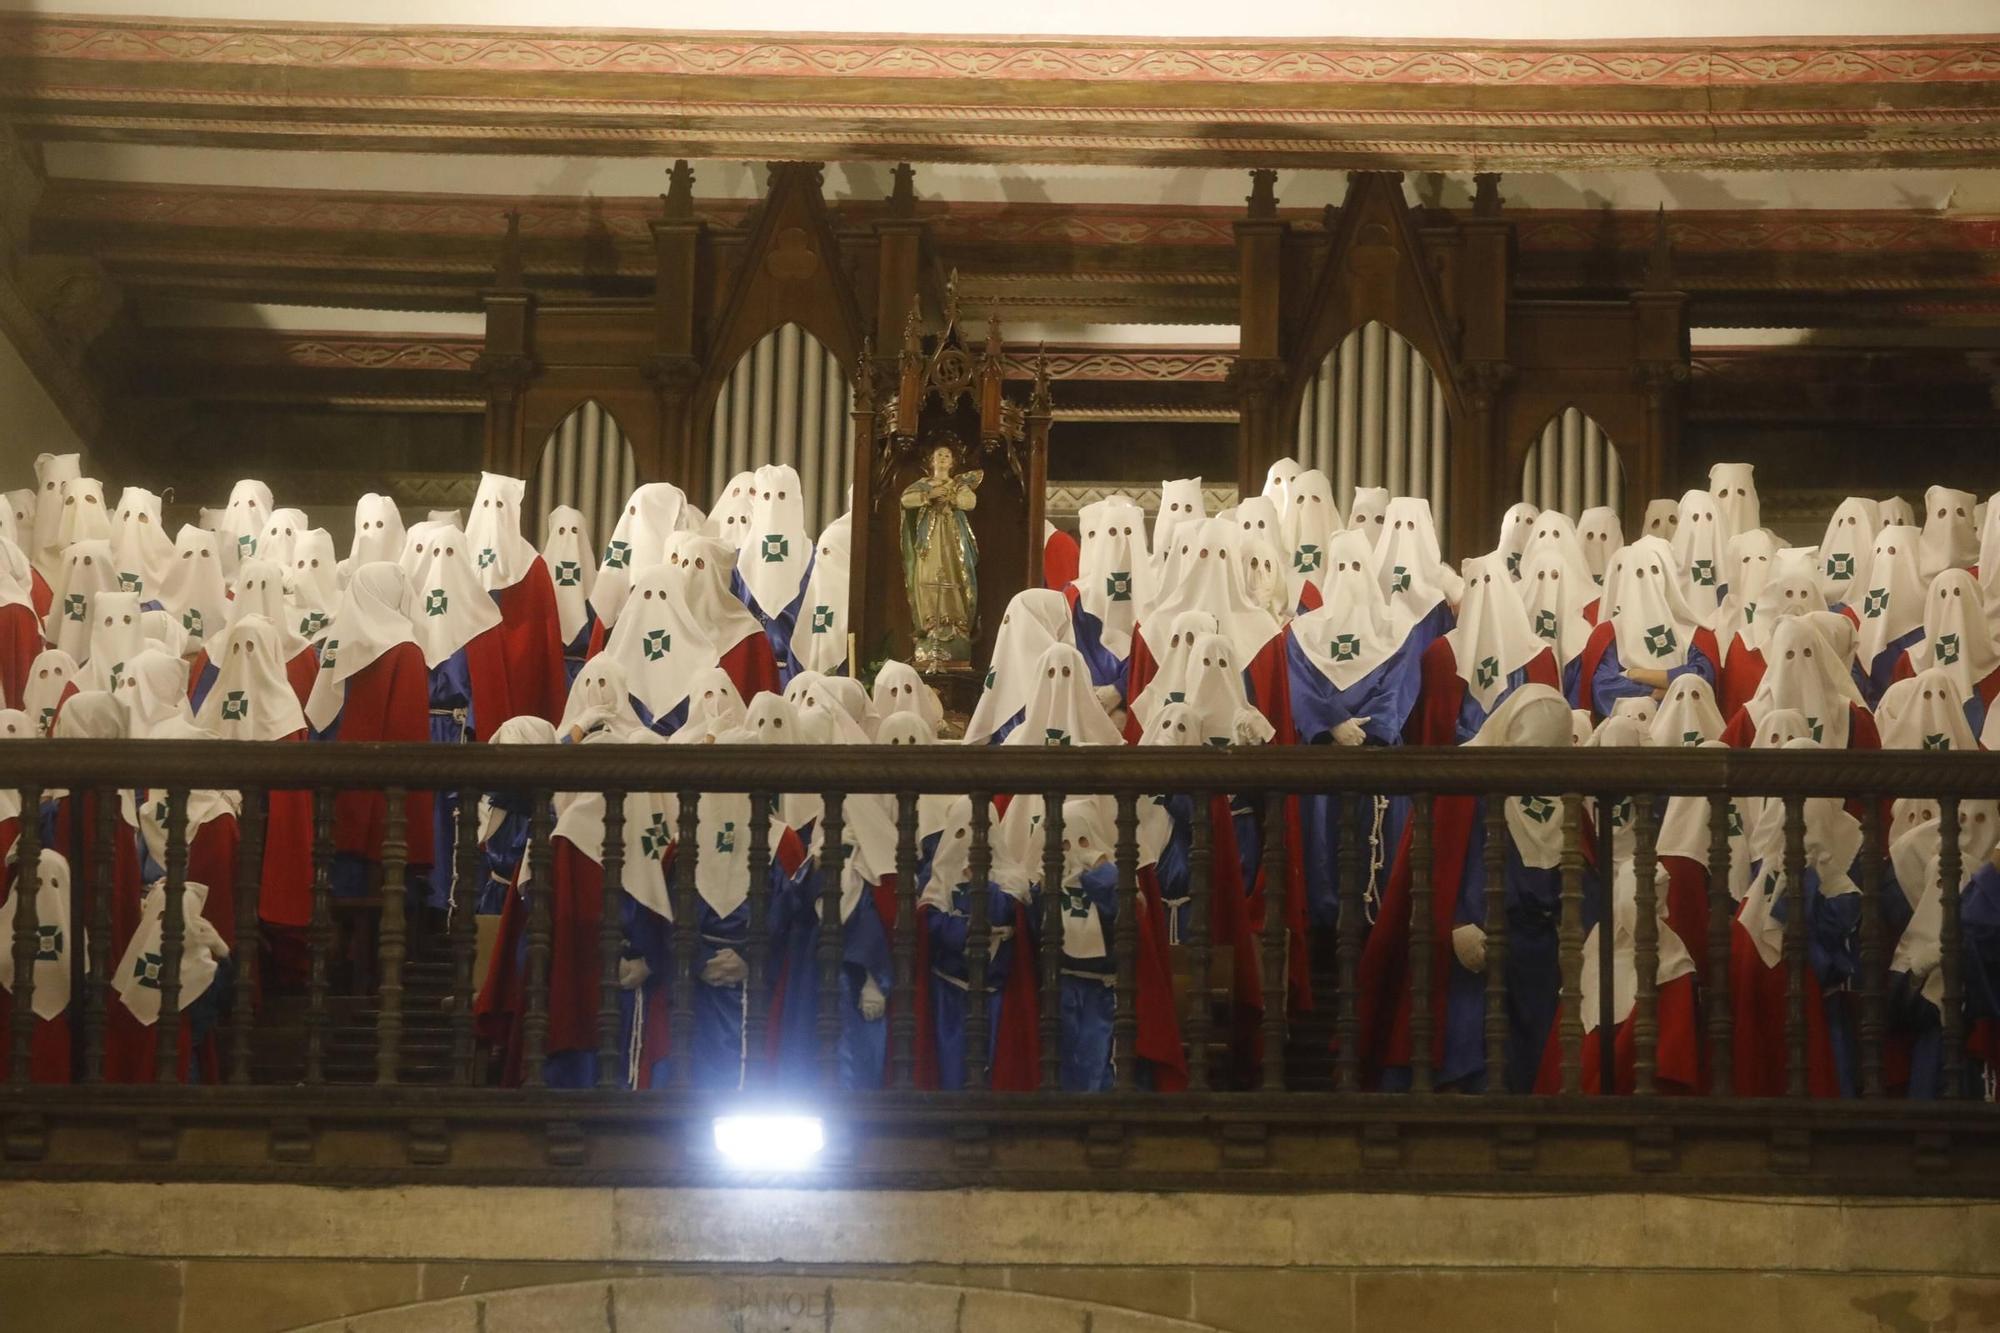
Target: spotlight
769	1142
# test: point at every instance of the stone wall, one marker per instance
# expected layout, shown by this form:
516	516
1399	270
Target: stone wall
260	1258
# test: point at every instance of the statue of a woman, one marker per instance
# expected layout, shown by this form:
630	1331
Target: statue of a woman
941	562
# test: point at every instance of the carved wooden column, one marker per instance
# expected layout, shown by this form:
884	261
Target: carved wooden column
675	365
1040	414
865	623
507	363
1478	491
1662	372
1258	375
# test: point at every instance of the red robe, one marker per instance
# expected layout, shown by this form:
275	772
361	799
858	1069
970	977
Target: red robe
1059	559
489	671
1017	1047
532	628
1159	1035
1270	689
1761	1003
1679	1064
1739	677
387	700
751	667
20	643
1140	668
1434	721
1382	978
575	975
40	594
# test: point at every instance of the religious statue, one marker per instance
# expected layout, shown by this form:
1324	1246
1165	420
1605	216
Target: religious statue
941	562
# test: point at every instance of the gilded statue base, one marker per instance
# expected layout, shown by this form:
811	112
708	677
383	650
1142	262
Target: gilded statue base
941	651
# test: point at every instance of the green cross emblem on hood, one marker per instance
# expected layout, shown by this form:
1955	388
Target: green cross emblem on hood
191	620
73	607
487	555
1661	640
569	574
1306	559
656	645
1514	562
146	971
436	603
1545	624
311	623
236	706
1875	603
1538	808
48	944
1118	586
1840	566
822	620
618	554
1345	647
1487	671
1076	903
1946	649
1735	821
1703	572
130	582
725	838
1399	579
1055	736
1937	740
653	839
774	547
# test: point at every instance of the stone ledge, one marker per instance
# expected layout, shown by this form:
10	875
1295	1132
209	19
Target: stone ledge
1622	1232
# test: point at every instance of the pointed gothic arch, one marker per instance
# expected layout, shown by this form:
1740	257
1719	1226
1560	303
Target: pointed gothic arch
586	462
1374	414
787	400
1573	465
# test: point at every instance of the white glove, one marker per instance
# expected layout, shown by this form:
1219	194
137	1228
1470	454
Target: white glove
1107	698
1252	728
589	720
1469	943
633	972
1354	731
874	1003
727	968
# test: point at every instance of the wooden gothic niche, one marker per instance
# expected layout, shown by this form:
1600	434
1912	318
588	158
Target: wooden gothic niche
946	393
1504	363
658	362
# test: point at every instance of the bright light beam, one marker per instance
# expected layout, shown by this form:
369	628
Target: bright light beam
769	1142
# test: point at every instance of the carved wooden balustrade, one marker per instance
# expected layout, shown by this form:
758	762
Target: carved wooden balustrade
287	1108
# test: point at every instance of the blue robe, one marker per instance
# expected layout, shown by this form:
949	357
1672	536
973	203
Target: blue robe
647	935
779	627
795	929
948	979
1106	668
1881	672
1385	698
1610	683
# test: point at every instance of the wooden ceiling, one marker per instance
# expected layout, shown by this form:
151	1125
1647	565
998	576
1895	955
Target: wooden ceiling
110	256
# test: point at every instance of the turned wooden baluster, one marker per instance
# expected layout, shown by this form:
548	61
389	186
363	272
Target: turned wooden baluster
1352	906
319	936
1420	944
541	891
1795	944
757	946
249	879
1051	942
1874	975
1125	947
903	1004
463	929
1273	942
173	937
1951	1010
1721	915
610	945
978	938
1645	949
832	864
1200	1076
1494	863
27	933
391	946
1569	935
1607	1025
687	934
101	872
